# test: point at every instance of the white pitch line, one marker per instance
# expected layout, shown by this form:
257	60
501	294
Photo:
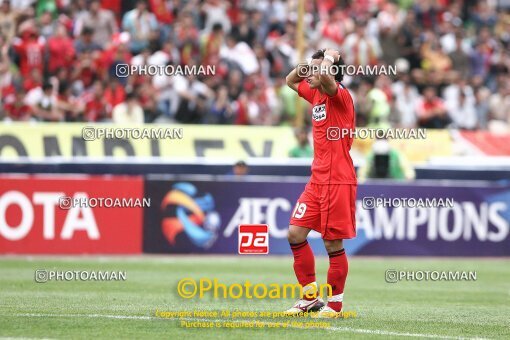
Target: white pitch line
21	338
332	328
105	316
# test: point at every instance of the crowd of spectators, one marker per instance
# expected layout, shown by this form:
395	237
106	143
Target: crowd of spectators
58	60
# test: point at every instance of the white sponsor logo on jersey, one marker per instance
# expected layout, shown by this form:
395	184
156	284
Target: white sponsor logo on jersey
319	112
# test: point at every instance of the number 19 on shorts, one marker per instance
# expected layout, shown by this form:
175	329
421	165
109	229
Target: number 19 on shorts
299	210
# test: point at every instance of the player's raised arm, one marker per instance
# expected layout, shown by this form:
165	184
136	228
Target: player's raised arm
327	79
293	79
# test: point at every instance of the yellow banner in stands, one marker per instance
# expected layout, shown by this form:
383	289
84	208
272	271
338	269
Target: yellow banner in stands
68	140
39	140
437	143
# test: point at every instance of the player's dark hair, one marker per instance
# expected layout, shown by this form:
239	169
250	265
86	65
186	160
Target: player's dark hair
339	76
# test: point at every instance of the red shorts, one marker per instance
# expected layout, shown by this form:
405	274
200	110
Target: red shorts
327	209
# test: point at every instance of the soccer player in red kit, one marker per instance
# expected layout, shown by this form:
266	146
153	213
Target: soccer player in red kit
327	205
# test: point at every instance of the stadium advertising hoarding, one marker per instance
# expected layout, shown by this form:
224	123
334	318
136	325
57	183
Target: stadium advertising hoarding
203	217
180	141
70	215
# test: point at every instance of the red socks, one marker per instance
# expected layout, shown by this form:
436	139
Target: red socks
304	264
337	273
304	267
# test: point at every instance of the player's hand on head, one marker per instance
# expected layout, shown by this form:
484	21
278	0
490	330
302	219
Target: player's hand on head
332	52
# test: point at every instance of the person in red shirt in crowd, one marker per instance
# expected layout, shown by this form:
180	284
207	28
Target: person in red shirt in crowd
71	107
113	94
30	50
211	44
60	50
15	108
33	80
431	110
85	69
96	105
335	26
160	10
113	5
327	205
117	53
145	91
187	36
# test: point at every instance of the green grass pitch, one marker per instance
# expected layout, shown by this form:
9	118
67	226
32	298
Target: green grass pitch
126	309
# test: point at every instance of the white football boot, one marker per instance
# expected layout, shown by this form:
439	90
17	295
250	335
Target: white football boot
305	306
327	313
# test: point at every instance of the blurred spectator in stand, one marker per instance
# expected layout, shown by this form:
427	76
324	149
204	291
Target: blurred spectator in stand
482	15
85	71
7	76
15	108
434	62
215	11
187	38
482	107
192	94
479	58
240	169
96	106
374	103
235	83
43	103
384	161
114	94
288	99
499	104
303	149
102	20
46	6
85	42
221	109
431	110
460	59
140	24
164	12
60	50
406	95
128	112
211	44
241	54
8	19
389	22
460	103
244	30
33	80
46	25
29	48
71	108
362	49
146	95
334	27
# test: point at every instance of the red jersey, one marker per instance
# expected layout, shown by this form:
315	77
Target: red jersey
61	53
31	53
332	163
